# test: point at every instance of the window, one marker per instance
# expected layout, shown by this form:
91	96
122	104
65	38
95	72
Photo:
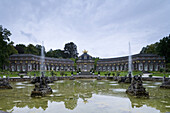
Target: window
85	57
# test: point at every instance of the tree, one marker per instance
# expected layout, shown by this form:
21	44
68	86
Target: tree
71	50
49	53
11	49
39	47
161	48
164	48
31	49
56	53
95	62
21	48
6	47
150	49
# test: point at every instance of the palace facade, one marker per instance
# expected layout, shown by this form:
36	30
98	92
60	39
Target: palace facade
29	62
85	62
140	62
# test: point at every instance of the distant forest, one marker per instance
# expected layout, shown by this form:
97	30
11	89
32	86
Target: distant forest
70	50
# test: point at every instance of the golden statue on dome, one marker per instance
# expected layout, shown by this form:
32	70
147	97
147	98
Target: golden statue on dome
85	51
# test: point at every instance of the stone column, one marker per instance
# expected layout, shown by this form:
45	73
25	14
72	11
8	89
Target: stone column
148	66
26	67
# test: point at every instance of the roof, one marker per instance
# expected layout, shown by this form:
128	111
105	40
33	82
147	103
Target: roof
83	56
48	58
133	56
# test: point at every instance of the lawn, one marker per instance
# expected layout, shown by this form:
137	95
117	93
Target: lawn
58	73
49	73
121	73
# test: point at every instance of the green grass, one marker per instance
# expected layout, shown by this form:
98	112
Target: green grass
58	73
121	73
160	74
10	74
49	73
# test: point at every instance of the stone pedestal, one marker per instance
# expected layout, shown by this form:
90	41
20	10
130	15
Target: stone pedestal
165	83
72	78
125	79
48	79
98	77
136	88
4	84
41	87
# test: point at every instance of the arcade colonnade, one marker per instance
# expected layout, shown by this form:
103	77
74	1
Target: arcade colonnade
29	62
141	62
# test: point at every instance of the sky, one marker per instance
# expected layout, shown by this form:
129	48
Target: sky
103	27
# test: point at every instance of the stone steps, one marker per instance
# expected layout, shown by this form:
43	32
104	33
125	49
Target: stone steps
85	73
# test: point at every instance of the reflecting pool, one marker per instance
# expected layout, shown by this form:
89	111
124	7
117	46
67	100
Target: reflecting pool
84	96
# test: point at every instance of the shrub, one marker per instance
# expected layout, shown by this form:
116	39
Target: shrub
79	70
167	70
52	73
161	70
72	72
140	74
113	74
117	73
62	73
109	74
150	76
99	73
21	76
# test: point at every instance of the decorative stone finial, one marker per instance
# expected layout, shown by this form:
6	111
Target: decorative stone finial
85	51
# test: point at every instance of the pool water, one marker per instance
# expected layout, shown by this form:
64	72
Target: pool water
84	96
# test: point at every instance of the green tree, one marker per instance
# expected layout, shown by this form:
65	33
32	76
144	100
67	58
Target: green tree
164	48
21	48
50	53
95	62
150	49
161	48
71	50
39	47
6	47
11	49
31	49
56	53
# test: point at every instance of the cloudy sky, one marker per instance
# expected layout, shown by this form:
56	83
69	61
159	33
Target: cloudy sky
103	27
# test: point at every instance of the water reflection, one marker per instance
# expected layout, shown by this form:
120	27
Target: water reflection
72	93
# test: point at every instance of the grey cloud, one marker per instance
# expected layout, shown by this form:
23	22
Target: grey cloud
29	36
104	27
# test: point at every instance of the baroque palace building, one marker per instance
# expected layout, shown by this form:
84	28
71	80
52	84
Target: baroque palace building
85	62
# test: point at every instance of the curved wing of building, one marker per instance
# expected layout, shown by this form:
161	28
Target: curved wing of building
140	62
85	62
29	62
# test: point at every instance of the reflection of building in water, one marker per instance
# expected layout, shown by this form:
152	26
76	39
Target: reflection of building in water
85	62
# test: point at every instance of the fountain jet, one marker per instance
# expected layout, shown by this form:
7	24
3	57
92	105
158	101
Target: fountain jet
130	62
42	66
